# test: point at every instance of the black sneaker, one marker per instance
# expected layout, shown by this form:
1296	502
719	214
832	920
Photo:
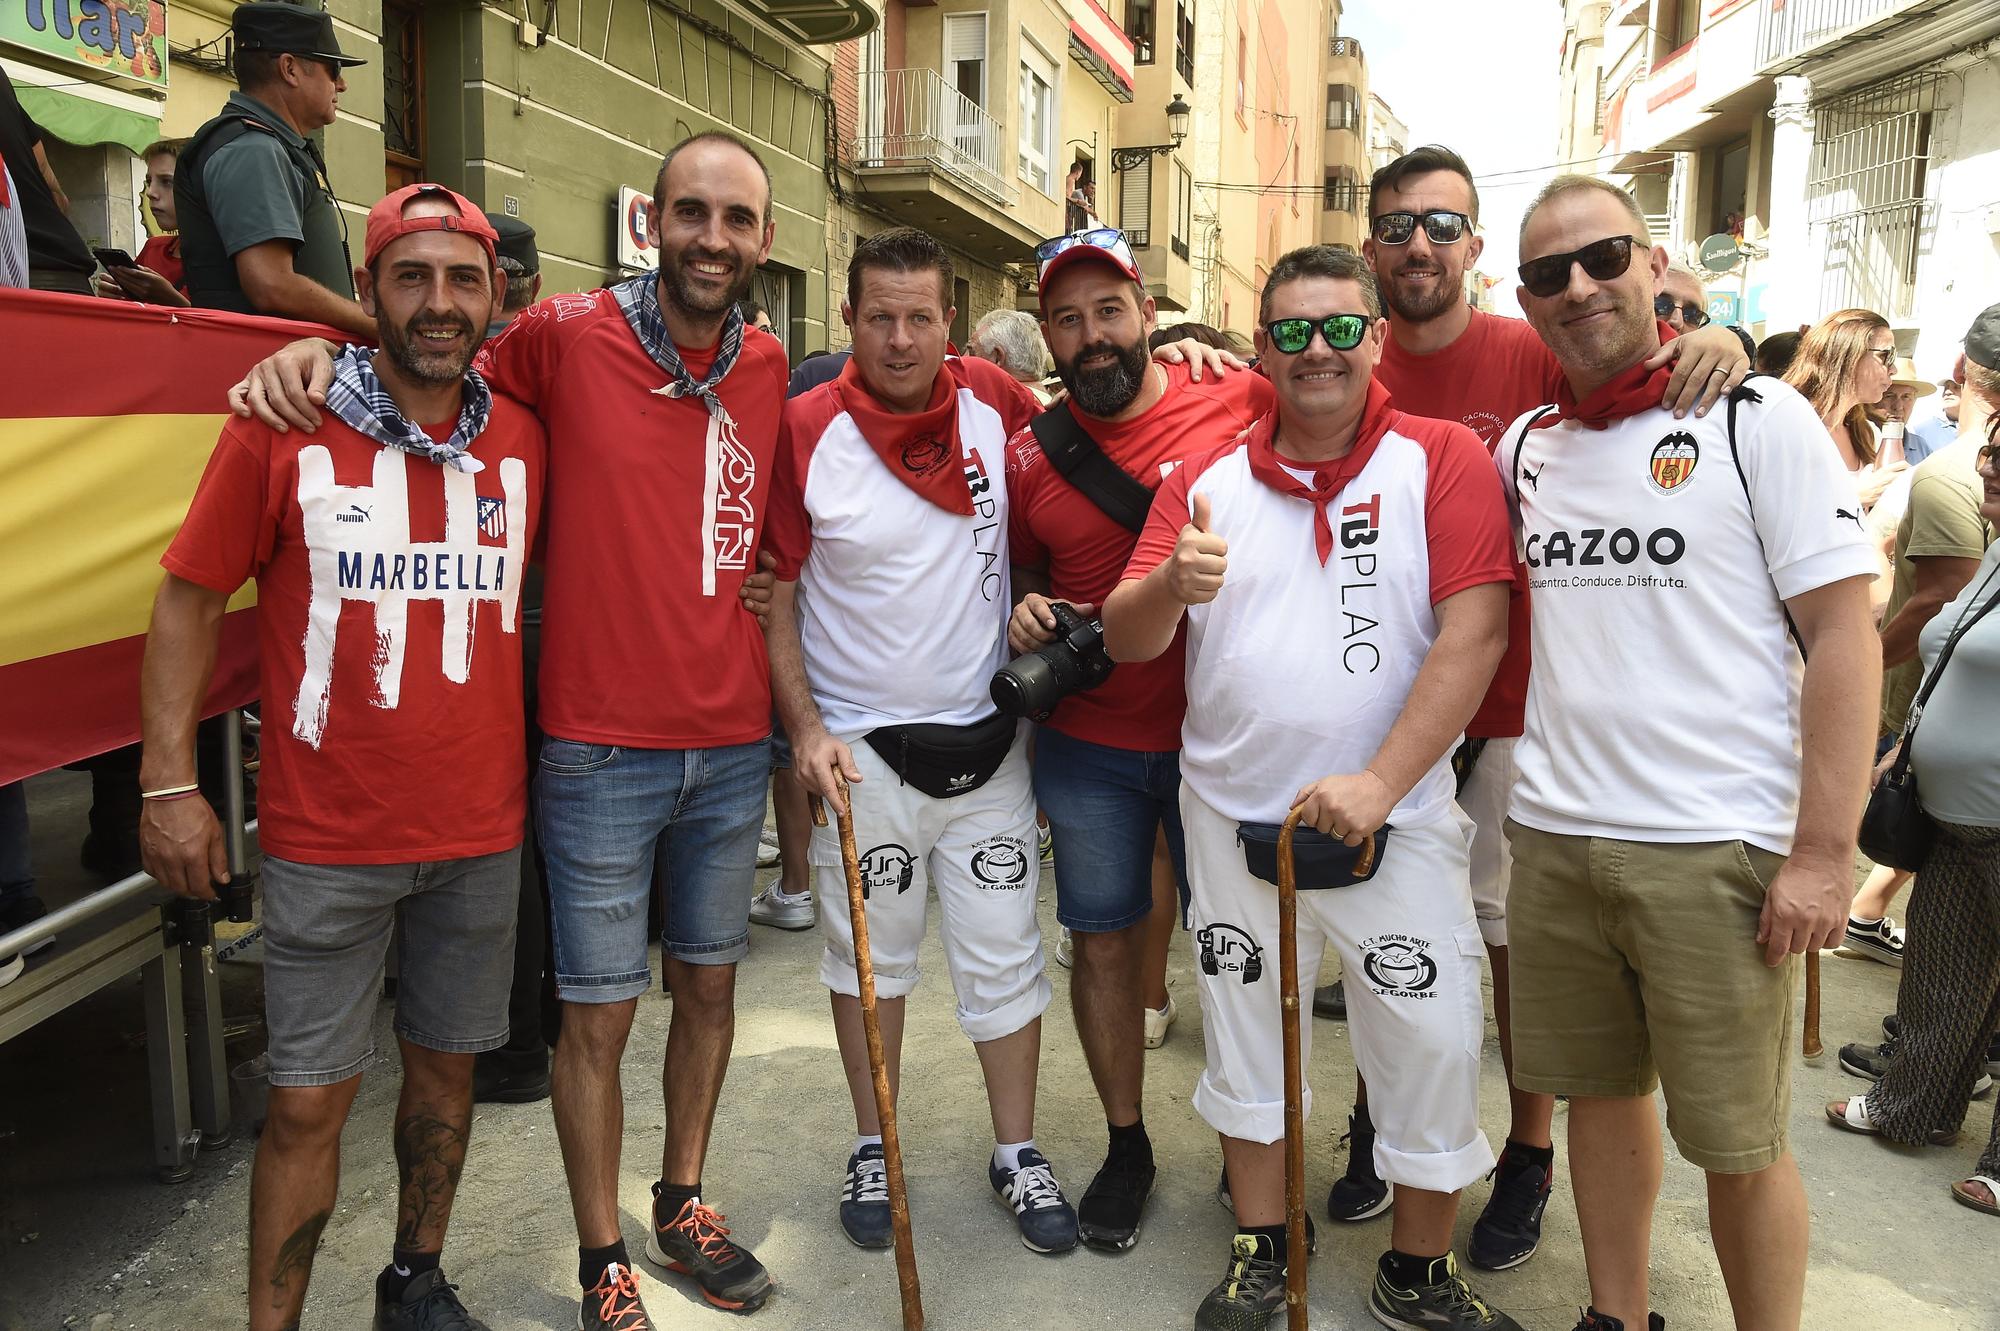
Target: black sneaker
428	1303
612	1304
502	1077
1892	1026
694	1243
19	914
1871	1061
1444	1303
1880	940
1330	1001
1360	1194
1594	1320
1046	1220
1510	1228
1108	1216
864	1200
1252	1292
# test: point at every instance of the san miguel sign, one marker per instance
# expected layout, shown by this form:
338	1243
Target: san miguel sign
127	38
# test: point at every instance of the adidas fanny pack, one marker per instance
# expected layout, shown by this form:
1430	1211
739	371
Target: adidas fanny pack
943	761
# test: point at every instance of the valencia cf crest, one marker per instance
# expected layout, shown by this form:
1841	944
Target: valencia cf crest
1673	460
925	454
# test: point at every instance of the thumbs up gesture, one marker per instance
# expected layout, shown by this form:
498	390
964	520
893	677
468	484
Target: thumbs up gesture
1194	574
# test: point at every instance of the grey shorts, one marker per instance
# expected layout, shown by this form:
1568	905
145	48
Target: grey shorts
326	936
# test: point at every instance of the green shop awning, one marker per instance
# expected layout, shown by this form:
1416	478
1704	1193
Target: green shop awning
84	122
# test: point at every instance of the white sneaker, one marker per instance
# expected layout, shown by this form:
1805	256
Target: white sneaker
1158	1021
774	908
1065	950
11	968
767	849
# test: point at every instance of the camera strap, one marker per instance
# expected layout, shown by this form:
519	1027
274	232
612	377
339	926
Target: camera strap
1078	460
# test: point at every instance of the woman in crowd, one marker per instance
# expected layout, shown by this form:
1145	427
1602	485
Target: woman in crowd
1843	366
1948	1003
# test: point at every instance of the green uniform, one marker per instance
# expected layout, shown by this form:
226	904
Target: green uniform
245	178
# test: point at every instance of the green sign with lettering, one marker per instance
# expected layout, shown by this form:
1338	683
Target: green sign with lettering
127	38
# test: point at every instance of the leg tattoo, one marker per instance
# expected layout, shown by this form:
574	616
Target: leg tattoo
295	1259
430	1153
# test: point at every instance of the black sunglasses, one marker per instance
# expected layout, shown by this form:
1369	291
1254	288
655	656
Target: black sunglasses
1693	315
1602	260
1440	227
1343	332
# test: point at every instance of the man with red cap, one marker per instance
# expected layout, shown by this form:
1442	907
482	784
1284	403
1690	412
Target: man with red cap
388	548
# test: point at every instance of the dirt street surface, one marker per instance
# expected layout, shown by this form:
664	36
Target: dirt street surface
89	1241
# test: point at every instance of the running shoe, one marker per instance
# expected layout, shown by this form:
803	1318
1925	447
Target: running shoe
864	1200
1047	1221
1065	950
1252	1293
1444	1302
695	1243
428	1303
613	1304
1871	1061
1510	1228
782	911
1108	1216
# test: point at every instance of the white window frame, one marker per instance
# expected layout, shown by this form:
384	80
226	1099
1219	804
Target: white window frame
1038	160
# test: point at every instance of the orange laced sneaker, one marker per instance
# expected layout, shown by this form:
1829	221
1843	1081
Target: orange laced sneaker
695	1243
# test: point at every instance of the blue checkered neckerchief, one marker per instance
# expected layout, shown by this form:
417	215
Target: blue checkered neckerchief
356	396
639	300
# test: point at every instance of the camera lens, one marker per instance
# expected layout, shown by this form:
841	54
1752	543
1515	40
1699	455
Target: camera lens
1027	686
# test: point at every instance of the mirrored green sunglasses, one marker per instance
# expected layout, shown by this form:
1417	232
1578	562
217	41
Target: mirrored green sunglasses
1343	332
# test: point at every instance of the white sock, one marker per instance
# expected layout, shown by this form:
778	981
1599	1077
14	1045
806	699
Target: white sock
1862	920
860	1142
1007	1155
778	890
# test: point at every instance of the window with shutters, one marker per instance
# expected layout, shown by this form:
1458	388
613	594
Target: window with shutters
1038	117
402	94
965	55
1183	210
1135	204
1140	18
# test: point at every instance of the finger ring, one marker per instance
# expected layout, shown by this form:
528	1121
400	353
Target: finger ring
1719	370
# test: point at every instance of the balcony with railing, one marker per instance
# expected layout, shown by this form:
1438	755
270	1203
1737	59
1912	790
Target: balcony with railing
913	118
1790	29
924	146
1343	48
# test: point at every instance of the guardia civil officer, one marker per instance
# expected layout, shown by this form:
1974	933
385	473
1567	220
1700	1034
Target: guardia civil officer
260	230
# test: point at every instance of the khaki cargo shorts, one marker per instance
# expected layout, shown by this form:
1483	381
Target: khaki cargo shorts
1635	965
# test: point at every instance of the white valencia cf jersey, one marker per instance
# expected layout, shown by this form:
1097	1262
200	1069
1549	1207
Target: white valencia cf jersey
1663	702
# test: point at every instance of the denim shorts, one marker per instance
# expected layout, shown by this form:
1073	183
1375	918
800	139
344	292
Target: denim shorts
607	815
326	934
1105	807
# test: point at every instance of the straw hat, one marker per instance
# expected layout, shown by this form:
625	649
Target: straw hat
1907	377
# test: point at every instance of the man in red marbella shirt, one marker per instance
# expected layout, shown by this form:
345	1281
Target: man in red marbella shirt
1445	359
388	549
1106	762
889	525
662	414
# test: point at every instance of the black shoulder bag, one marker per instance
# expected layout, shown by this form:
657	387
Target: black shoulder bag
1895	830
1078	460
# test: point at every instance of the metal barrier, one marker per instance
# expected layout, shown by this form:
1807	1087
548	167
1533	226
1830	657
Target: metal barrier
171	946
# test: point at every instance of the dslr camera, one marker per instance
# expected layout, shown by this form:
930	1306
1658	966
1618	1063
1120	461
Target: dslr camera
1033	684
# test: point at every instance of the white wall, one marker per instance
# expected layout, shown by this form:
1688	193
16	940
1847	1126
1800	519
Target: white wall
1961	275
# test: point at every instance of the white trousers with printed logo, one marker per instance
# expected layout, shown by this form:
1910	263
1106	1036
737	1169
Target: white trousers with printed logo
978	850
1410	949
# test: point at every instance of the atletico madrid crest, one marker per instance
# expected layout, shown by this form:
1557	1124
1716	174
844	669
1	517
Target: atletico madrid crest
1673	461
493	516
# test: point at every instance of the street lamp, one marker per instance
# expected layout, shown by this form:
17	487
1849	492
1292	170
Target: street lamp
1178	113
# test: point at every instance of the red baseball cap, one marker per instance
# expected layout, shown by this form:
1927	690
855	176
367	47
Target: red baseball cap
386	222
1106	245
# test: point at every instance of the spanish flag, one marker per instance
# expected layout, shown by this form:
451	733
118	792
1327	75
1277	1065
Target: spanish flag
108	412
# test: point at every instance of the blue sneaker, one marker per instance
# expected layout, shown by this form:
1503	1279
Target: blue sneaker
1047	1221
864	1200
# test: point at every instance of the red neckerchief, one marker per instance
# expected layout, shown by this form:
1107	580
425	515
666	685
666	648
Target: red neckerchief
1329	478
6	199
1637	389
920	450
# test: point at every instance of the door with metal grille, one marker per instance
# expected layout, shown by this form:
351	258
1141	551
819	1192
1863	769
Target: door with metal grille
1870	193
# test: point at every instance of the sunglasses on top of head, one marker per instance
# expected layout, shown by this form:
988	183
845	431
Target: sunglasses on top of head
1343	332
1103	238
1440	227
1602	261
1693	315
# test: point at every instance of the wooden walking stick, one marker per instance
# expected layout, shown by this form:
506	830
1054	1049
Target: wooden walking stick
885	1104
1295	1113
1811	1042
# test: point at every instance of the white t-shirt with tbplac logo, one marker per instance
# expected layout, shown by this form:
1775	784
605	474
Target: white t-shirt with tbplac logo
1663	701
